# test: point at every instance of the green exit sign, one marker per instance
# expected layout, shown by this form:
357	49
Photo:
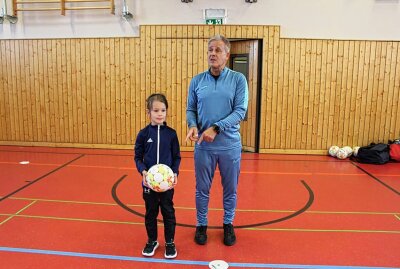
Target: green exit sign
214	21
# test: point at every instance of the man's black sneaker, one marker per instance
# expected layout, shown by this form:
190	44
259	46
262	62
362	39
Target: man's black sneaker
229	235
201	235
170	250
149	249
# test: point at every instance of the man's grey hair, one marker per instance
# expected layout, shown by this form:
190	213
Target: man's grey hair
223	39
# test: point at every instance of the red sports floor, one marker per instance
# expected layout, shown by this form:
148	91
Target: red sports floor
81	208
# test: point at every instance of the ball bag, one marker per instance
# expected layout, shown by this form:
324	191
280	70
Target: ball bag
160	177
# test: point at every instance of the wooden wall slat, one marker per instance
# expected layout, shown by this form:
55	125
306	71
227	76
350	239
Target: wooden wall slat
85	92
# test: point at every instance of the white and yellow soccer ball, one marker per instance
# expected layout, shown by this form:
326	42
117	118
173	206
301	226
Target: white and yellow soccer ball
355	151
333	151
160	178
349	150
342	154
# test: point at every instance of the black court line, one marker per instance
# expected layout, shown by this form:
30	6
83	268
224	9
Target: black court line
377	179
41	177
298	212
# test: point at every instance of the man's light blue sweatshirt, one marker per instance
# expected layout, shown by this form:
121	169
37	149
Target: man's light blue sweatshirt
221	101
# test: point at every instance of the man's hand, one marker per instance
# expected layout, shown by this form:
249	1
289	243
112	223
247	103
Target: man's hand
175	180
193	134
208	135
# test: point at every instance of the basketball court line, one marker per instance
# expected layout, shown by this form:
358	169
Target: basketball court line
377	179
179	262
212	209
250	229
192	170
39	178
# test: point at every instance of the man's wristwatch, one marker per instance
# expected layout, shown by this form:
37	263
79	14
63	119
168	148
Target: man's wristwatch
216	128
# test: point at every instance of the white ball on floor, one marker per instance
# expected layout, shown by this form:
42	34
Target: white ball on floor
349	150
342	154
333	151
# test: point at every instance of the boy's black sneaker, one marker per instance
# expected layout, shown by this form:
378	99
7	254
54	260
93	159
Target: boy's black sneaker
201	235
229	235
150	248
170	250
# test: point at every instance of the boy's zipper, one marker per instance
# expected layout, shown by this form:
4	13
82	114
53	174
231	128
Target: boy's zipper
158	144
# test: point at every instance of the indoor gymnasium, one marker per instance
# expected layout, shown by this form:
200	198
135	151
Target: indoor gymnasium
199	134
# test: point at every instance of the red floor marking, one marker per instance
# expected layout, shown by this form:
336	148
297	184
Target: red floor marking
269	182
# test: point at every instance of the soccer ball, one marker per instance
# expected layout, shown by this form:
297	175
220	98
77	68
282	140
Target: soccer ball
333	151
160	178
355	151
342	154
349	150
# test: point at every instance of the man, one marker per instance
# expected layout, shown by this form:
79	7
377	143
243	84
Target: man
217	102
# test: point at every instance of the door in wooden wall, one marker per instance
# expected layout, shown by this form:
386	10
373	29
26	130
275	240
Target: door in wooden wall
245	59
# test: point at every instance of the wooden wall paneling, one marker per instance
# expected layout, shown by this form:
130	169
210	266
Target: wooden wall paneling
375	89
302	109
191	60
107	91
311	130
370	83
160	63
269	90
289	67
118	92
101	84
381	92
125	95
280	92
23	98
329	96
322	92
171	32
112	91
93	89
352	103
14	110
10	106
73	89
180	114
168	76
327	69
144	36
364	93
3	91
317	128
77	89
16	75
358	95
315	93
275	94
36	90
253	62
136	89
394	131
396	119
129	60
60	128
338	76
386	102
184	79
294	133
49	77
